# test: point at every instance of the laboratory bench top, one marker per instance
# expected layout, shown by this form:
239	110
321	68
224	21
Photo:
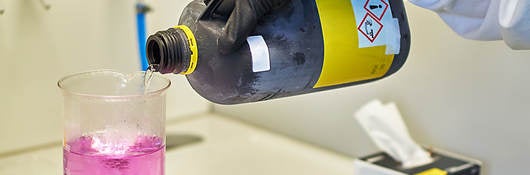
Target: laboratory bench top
210	144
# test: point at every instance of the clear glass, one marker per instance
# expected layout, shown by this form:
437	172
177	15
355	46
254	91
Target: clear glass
113	124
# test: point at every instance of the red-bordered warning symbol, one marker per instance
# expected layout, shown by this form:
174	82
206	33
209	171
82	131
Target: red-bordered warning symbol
370	27
376	8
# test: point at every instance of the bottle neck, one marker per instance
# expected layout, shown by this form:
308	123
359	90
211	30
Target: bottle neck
174	50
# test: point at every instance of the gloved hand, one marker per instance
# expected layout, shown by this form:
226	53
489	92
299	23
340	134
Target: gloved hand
243	20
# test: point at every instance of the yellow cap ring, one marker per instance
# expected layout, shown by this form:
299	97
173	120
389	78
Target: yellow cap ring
193	47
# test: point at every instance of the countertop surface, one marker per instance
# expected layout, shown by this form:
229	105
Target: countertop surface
225	147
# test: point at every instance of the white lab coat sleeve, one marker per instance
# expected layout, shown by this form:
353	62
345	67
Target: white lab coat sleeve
507	20
514	18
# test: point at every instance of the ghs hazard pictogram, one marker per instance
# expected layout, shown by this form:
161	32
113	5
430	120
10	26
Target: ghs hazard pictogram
370	27
377	8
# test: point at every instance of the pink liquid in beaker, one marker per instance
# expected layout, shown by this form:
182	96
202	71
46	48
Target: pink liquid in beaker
145	157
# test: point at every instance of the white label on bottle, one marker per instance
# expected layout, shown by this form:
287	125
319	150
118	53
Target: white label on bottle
260	54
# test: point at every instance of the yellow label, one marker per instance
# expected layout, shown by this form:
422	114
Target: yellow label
433	171
344	61
193	47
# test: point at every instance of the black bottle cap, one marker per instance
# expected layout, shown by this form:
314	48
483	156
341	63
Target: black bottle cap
170	50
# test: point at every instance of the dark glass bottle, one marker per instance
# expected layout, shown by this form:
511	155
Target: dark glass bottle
305	46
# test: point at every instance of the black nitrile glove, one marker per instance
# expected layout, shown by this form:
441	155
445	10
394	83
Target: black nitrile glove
243	20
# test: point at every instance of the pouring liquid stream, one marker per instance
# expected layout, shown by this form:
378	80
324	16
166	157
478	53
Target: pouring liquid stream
149	76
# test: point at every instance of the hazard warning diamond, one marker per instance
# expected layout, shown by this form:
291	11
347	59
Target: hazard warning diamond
370	27
376	8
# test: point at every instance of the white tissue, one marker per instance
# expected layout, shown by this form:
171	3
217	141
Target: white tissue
384	125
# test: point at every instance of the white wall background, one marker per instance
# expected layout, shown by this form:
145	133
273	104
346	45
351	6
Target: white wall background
37	47
464	96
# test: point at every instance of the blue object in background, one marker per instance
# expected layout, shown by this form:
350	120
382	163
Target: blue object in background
141	10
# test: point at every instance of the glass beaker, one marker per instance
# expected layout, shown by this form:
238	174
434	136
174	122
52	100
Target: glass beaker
113	124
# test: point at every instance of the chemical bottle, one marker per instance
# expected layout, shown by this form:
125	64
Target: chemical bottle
305	46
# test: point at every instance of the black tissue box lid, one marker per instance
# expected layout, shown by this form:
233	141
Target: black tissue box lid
452	165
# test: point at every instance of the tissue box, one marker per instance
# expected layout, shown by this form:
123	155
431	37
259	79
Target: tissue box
444	163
